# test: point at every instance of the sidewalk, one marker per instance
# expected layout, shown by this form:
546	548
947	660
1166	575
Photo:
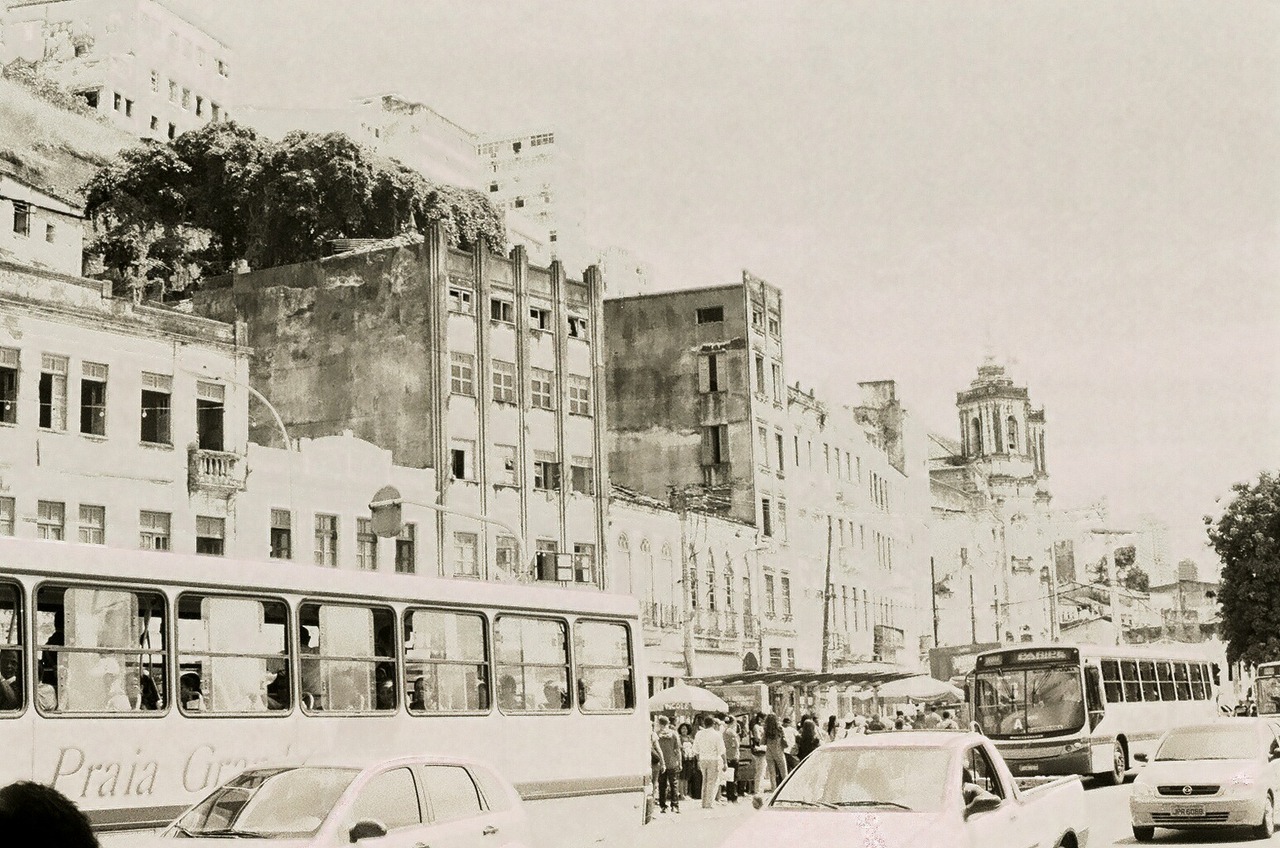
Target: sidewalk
691	809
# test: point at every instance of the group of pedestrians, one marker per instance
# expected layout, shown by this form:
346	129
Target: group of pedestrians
703	765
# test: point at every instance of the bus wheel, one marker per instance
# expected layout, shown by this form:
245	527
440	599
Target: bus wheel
1116	776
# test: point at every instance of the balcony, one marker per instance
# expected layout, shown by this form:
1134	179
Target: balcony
218	472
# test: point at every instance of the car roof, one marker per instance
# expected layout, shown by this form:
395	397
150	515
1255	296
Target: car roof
1227	724
367	763
943	739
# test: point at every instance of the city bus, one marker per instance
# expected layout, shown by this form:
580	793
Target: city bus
135	682
1087	709
1266	689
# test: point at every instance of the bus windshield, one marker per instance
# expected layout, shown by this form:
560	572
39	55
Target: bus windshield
1029	702
1267	692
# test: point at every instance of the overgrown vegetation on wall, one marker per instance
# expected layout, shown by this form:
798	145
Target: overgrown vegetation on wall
165	215
29	75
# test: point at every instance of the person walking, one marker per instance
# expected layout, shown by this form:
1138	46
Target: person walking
731	759
758	751
671	763
775	749
808	740
708	745
833	728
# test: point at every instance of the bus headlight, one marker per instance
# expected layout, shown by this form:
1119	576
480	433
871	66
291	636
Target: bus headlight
1072	747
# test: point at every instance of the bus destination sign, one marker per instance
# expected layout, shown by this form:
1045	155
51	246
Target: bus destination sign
1030	656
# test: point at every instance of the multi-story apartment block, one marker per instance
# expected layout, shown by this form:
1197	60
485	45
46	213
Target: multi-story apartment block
138	63
120	424
482	367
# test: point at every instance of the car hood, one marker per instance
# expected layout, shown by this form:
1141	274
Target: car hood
1167	772
210	842
770	828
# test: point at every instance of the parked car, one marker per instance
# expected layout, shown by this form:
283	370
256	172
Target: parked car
1225	774
912	790
444	802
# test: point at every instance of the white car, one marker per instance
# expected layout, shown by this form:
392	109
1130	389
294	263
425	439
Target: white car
1224	774
444	802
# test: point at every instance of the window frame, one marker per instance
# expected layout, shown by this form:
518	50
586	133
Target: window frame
487	680
290	657
374	659
19	628
570	683
631	666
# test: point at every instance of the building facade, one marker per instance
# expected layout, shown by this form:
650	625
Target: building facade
38	229
138	63
484	368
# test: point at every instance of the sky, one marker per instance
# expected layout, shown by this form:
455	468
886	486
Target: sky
1088	190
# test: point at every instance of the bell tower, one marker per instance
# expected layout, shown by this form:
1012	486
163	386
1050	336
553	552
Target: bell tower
998	428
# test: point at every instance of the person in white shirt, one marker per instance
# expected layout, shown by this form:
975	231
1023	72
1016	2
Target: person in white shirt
789	736
708	746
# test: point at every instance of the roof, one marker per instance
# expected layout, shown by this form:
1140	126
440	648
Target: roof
863	674
947	739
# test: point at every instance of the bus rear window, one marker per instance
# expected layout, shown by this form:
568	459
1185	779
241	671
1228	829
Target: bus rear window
102	650
347	658
232	654
12	688
533	664
446	662
602	653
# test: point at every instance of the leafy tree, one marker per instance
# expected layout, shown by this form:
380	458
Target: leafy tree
1246	538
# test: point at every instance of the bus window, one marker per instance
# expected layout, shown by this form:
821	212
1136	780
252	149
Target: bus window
1150	688
348	658
533	664
103	650
12	690
1197	682
602	653
1181	681
1129	679
446	661
232	654
1165	675
1111	681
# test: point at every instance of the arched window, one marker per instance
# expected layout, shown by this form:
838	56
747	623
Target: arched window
728	583
711	582
626	579
1011	427
975	436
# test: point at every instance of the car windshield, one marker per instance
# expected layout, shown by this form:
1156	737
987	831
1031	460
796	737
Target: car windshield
1034	701
868	778
1210	743
270	803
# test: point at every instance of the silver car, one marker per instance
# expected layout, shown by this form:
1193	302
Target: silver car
1224	774
444	802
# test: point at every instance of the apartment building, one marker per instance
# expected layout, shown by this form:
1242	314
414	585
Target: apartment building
482	367
138	63
120	424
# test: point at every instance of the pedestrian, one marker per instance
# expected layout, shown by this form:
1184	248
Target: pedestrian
931	718
876	724
709	747
671	762
832	728
655	753
808	740
35	814
775	749
758	751
789	734
948	723
688	787
730	759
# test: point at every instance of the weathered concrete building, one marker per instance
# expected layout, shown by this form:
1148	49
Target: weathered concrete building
120	424
479	366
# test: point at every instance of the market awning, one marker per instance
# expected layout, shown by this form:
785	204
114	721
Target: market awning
862	674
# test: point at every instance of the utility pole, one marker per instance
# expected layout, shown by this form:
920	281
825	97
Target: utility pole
1113	589
933	596
1053	597
826	605
973	615
686	582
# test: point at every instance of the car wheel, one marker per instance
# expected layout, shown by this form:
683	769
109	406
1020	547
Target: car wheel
1116	776
1268	826
1143	834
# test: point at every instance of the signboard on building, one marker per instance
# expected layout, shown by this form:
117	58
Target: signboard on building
744	698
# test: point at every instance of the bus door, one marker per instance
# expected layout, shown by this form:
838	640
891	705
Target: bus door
1093	694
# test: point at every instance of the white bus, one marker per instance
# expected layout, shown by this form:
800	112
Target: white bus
135	682
1266	689
1087	709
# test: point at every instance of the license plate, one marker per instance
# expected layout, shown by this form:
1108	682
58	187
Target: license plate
1186	812
1027	768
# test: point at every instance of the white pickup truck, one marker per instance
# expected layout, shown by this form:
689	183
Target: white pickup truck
912	790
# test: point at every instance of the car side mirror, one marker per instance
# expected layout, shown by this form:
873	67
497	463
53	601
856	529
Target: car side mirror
1275	752
367	829
1139	758
984	803
757	801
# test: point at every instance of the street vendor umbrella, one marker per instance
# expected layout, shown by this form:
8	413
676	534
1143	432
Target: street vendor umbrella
688	698
921	688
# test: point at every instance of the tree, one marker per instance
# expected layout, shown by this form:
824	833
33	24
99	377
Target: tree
1246	538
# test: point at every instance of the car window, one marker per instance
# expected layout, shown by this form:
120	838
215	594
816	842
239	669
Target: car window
980	771
453	794
496	796
390	798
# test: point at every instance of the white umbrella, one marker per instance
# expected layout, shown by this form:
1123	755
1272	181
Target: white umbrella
688	698
920	688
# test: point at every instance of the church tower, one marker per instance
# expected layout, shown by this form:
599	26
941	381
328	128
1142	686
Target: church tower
998	428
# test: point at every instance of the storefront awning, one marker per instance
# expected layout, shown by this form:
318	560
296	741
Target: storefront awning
862	674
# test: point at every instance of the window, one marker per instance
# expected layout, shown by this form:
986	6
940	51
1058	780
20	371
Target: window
775	326
1198	688
760	375
348	658
155	82
406	556
21	218
233	654
539	318
210	411
541	385
710	372
1164	674
584	562
504	381
1181	681
173	92
116	100
390	798
1129	682
211	534
757	317
199	106
453	793
93	399
502	310
775	658
777	382
780	521
545	559
786	596
541	139
505	468
579	395
446	662
215	112
506	556
493	187
462	459
462	374
762	439
546	471
460	300
766	517
157	392
8	385
7	516
366	545
12	662
710	315
826	456
53	392
533	664
103	650
281	534
50	233
90	96
780	449
51	520
791	657
605	677
577	327
1111	683
1012	430
186	98
519	204
1150	686
770	602
173	131
155	123
582	478
715	444
153	530
466	554
326	542
982	772
93	524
